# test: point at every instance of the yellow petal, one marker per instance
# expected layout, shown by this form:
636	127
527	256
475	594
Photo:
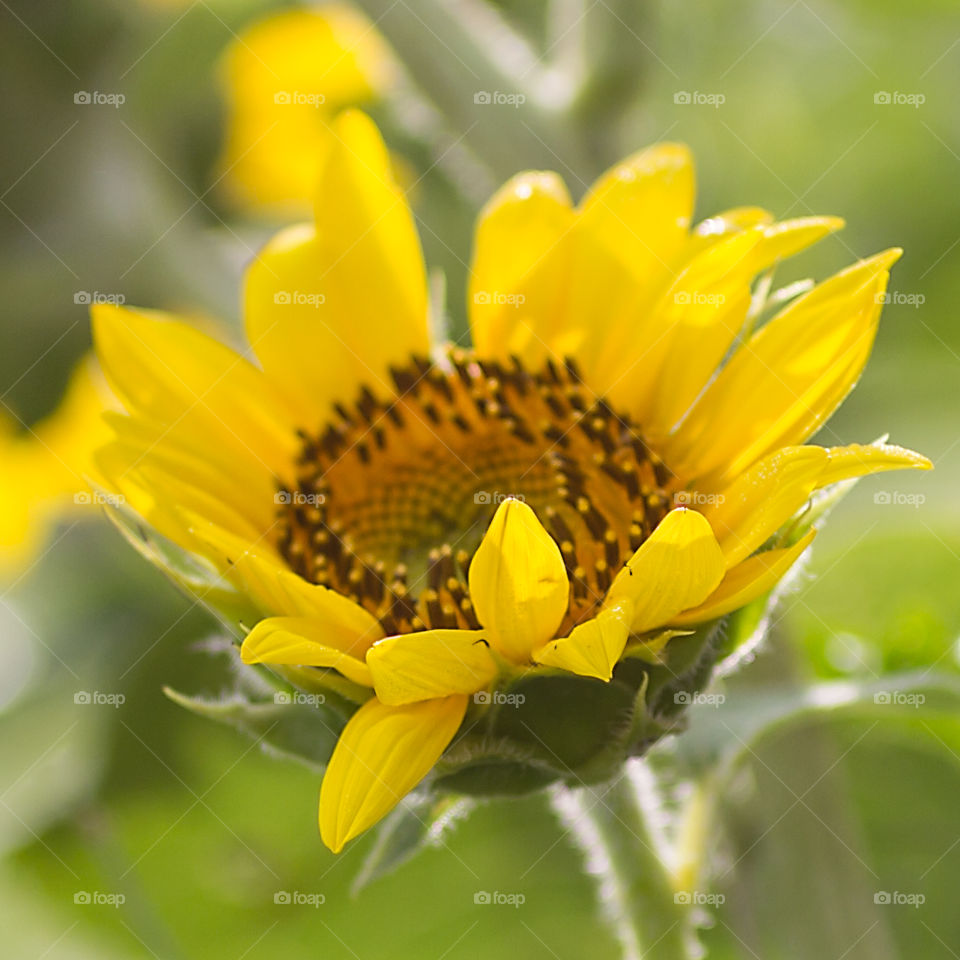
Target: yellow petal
723	225
370	250
517	276
781	385
293	332
252	501
594	647
123	481
332	308
382	754
173	447
170	373
682	340
784	239
430	664
679	341
306	642
560	319
518	583
745	582
857	459
162	497
642	207
163	473
677	567
631	235
618	249
761	500
278	591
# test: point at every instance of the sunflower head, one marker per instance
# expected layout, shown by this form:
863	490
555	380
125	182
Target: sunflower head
512	561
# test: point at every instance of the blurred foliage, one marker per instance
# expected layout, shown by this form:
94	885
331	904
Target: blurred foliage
197	828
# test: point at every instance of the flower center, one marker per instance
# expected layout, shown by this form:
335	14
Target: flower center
393	498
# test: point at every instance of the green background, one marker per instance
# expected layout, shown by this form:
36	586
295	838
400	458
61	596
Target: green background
199	829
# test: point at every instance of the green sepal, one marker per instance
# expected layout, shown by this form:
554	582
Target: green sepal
688	669
547	727
480	766
651	648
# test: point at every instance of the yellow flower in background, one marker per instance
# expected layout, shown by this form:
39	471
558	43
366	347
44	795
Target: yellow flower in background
284	79
46	469
610	462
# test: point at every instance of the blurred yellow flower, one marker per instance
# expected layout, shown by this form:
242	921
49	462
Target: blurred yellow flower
46	468
284	79
613	457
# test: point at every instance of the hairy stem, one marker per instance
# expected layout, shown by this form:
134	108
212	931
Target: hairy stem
616	38
483	79
620	840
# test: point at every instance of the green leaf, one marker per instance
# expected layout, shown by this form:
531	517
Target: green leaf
837	830
303	729
727	724
421	820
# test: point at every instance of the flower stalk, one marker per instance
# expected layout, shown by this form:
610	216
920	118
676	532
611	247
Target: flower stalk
617	830
614	54
462	72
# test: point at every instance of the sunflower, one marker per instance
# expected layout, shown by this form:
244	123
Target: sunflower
284	77
617	460
47	468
